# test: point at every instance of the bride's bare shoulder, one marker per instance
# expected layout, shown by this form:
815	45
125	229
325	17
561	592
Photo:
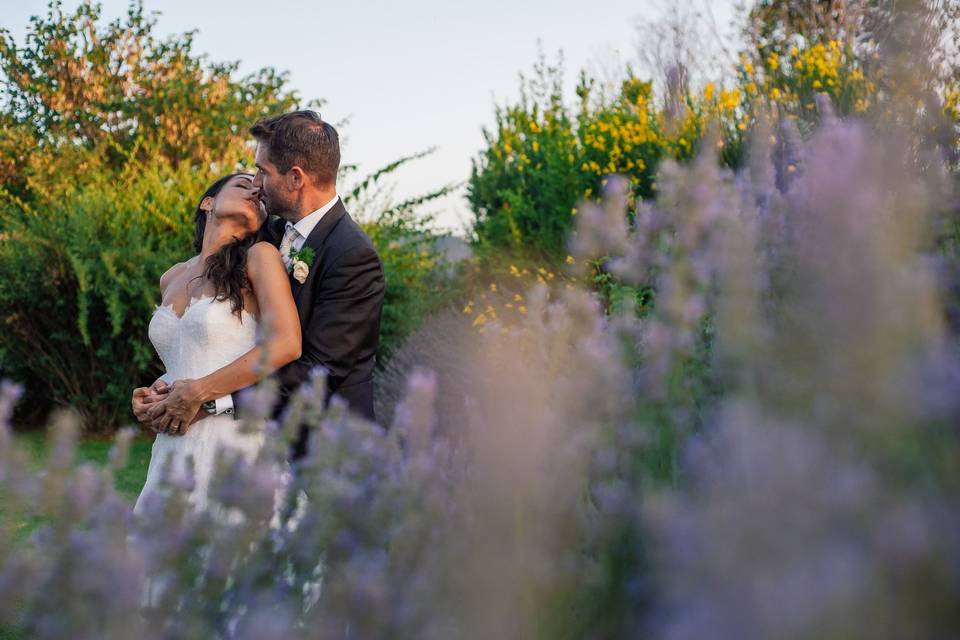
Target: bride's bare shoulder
171	274
262	254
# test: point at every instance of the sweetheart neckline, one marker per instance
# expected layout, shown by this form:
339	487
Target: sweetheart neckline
170	309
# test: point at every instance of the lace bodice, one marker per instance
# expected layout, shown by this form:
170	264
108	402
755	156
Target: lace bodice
206	337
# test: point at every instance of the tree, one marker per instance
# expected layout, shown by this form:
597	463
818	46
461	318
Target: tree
117	88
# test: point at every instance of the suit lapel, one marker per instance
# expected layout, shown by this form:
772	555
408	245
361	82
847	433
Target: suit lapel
315	241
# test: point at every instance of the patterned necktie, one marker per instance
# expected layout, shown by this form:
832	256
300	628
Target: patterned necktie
286	244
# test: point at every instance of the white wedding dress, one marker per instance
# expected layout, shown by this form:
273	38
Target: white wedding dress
205	338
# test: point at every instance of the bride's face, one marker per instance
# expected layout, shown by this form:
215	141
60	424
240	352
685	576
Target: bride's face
239	203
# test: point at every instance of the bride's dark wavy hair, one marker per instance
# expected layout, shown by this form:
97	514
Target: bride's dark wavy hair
227	268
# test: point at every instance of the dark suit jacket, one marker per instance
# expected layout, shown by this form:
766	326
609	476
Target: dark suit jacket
339	305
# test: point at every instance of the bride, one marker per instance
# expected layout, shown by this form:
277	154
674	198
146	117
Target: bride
206	331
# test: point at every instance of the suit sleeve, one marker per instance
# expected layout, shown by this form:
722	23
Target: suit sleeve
343	331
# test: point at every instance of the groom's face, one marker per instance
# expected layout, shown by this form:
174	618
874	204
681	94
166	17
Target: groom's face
278	199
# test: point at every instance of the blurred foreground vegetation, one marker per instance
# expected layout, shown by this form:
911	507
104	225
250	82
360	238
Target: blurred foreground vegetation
711	396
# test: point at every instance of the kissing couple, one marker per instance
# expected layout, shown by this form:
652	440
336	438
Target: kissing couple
283	281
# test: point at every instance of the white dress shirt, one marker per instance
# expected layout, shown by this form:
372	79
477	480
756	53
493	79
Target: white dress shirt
307	223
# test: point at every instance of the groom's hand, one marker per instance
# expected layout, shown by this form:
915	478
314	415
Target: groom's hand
178	410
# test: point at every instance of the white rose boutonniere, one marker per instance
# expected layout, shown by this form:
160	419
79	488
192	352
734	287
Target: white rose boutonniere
300	262
300	271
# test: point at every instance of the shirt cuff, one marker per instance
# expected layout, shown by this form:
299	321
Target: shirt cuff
224	405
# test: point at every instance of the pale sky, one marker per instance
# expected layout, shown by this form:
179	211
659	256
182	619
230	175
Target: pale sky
407	75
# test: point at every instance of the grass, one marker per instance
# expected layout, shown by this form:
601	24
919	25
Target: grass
129	480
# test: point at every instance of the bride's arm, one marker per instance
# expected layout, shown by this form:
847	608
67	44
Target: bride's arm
271	287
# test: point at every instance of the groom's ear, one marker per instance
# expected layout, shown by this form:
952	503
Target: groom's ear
297	177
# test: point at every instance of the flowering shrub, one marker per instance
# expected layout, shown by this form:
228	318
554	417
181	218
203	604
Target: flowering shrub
793	77
544	157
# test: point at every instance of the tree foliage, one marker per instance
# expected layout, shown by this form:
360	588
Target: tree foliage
79	85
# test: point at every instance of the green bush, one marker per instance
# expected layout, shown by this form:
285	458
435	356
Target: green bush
418	281
79	273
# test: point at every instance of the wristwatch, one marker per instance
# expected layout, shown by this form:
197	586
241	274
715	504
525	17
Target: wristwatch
210	406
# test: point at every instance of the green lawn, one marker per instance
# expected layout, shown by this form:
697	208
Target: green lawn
129	479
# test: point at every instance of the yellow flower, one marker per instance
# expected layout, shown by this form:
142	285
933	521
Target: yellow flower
468	308
493	287
517	297
775	94
773	61
480	320
522	309
751	87
514	271
708	90
729	99
570	260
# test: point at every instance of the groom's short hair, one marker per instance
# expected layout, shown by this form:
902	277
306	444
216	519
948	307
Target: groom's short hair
303	139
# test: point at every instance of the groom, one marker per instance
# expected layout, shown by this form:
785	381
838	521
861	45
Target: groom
335	272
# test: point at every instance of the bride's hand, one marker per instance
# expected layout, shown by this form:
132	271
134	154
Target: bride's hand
144	398
177	411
